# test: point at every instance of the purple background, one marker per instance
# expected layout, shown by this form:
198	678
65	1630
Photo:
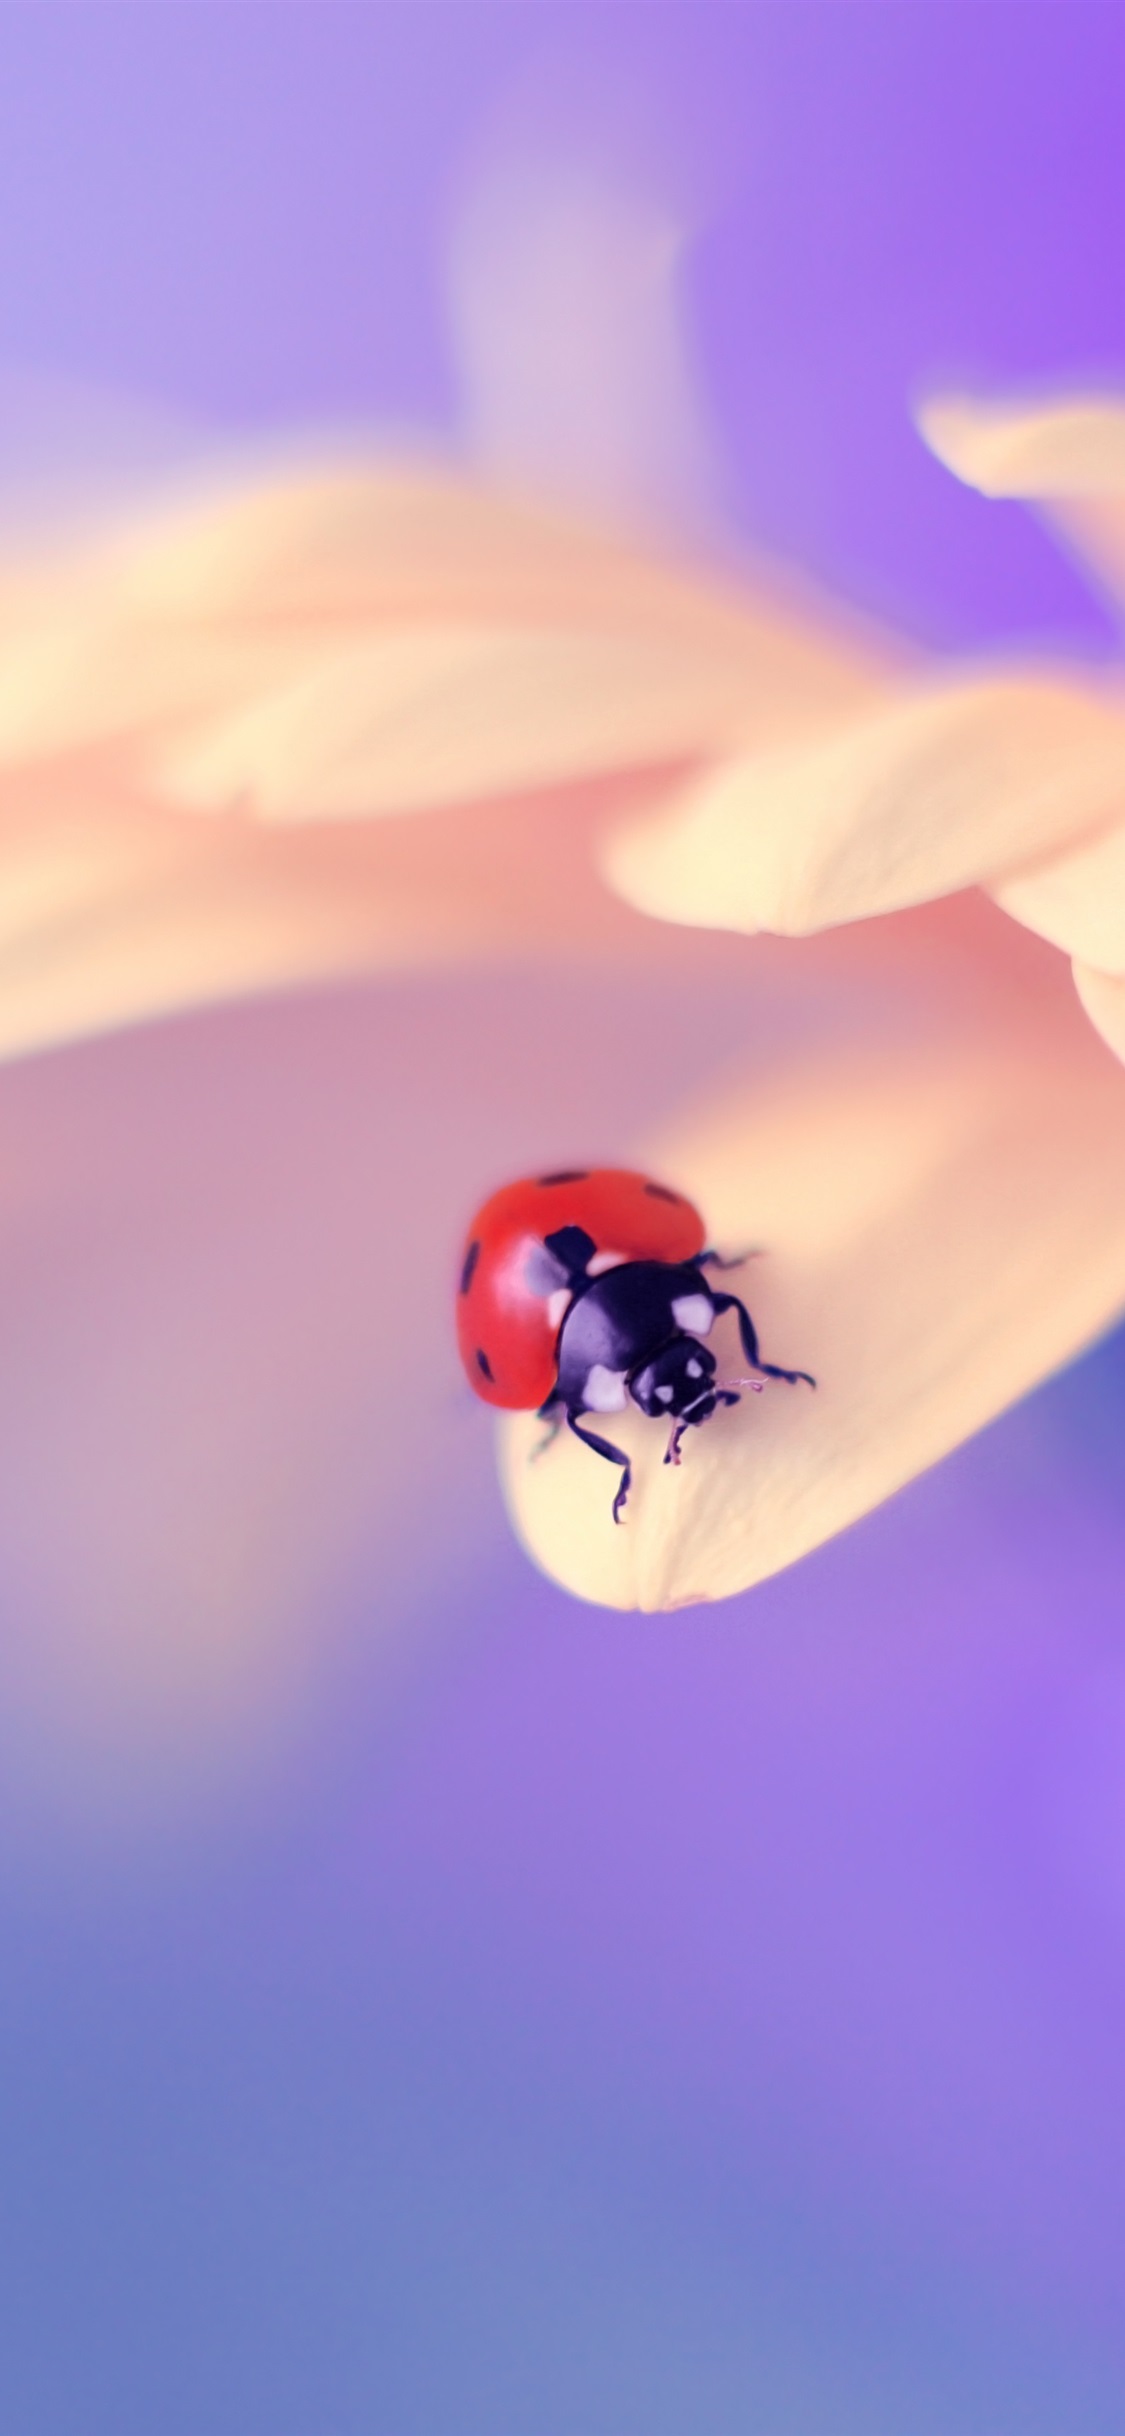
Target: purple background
705	2024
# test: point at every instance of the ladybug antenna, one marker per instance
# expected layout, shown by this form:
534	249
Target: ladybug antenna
758	1385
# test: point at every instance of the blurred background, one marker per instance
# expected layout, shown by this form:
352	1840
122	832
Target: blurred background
435	2005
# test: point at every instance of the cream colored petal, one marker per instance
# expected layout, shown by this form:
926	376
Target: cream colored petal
1077	900
317	647
1103	996
76	673
404	722
1046	447
950	784
938	1185
114	909
363	624
1066	452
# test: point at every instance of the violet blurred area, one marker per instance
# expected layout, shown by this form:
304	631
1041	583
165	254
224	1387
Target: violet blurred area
582	2022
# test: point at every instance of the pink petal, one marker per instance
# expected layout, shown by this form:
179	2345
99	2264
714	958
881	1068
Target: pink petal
233	1429
115	909
1103	996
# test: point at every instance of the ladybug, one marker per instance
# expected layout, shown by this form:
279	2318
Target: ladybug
585	1288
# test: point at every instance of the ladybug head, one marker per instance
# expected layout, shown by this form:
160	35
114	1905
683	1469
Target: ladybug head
677	1381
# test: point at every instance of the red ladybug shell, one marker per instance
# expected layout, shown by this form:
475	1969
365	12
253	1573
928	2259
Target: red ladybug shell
506	1327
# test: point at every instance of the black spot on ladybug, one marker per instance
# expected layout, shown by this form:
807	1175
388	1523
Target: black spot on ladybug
483	1363
660	1192
471	1258
566	1175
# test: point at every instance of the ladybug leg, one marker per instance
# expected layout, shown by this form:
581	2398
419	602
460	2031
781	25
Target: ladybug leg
715	1260
722	1395
748	1333
613	1454
554	1419
673	1451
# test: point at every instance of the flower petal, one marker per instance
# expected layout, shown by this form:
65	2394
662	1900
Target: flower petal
573	345
320	645
252	620
1103	996
938	1181
114	909
1077	900
1047	447
1066	452
199	1327
521	650
403	722
949	784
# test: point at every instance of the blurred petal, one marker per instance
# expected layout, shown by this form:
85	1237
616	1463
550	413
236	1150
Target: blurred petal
476	646
950	784
1103	996
77	457
938	1181
115	909
574	353
404	722
196	1444
1077	900
269	600
322	645
1061	447
1065	452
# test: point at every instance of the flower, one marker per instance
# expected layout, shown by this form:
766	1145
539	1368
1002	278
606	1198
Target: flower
349	717
530	841
327	723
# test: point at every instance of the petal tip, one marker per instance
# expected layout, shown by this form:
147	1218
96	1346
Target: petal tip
1045	446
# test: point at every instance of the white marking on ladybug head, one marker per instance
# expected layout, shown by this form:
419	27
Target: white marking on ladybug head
694	1313
542	1273
604	1391
694	1369
602	1261
664	1395
558	1304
